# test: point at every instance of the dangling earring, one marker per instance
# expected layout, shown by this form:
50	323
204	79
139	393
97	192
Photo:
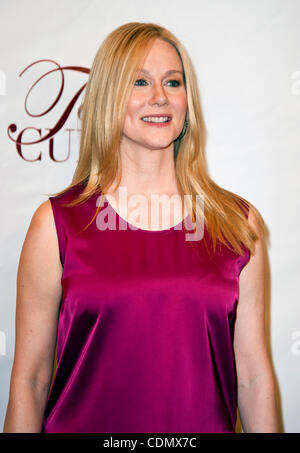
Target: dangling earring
185	126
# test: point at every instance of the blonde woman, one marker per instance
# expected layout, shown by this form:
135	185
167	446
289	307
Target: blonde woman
156	330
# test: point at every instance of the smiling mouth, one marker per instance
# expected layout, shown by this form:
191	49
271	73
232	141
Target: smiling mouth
156	120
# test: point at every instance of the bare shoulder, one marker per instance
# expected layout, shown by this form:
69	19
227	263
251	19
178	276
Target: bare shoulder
43	215
252	276
40	251
258	226
40	269
42	225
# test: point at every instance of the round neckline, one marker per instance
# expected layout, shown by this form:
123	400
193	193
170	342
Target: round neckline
142	230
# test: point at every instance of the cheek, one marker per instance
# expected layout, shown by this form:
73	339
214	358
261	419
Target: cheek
180	103
135	103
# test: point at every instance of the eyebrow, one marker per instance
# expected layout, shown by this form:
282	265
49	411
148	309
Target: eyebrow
171	71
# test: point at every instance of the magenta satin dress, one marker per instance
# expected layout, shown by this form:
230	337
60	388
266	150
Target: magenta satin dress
145	330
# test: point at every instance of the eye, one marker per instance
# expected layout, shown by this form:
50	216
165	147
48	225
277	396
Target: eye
140	80
177	83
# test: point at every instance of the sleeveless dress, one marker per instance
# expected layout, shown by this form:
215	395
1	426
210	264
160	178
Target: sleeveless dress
145	328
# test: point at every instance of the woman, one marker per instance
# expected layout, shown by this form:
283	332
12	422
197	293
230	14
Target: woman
155	332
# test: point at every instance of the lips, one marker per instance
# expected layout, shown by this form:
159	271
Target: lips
160	115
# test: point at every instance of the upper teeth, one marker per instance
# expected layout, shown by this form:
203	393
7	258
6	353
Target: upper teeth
155	119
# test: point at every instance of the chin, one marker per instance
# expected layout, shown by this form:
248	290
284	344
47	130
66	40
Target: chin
160	143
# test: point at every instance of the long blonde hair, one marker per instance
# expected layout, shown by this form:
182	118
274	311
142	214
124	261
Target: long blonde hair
112	76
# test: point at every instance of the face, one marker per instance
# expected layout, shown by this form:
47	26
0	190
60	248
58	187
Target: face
156	91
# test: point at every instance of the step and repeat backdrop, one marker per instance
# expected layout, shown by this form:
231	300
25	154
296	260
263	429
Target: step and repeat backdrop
246	56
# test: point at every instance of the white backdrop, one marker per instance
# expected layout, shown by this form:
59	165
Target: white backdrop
246	55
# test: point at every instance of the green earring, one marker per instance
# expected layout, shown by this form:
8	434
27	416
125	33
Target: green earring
184	129
178	139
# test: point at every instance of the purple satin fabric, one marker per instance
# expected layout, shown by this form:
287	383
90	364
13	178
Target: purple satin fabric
145	330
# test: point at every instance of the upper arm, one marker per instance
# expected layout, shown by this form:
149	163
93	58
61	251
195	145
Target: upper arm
38	298
250	348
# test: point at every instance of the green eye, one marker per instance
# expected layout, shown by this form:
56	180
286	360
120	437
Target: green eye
142	80
176	81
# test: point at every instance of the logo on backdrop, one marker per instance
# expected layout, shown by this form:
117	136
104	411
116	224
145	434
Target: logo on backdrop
296	342
17	136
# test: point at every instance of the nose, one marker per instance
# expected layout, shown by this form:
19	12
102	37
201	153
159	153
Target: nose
158	95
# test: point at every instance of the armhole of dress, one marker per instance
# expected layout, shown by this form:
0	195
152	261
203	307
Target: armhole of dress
59	231
245	258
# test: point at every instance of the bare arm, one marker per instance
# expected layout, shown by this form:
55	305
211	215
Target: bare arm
256	387
38	299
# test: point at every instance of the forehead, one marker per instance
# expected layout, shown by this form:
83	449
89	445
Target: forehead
163	56
167	73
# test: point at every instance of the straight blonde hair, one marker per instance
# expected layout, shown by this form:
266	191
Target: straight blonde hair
112	76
